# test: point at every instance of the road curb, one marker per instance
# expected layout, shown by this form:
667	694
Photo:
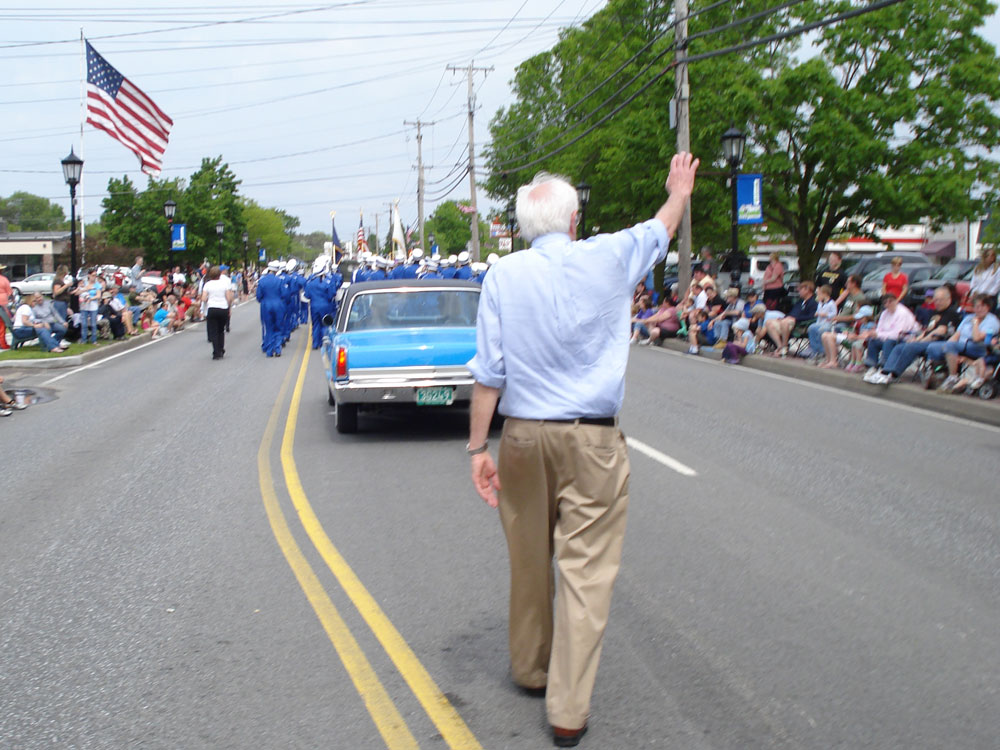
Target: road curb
55	363
907	393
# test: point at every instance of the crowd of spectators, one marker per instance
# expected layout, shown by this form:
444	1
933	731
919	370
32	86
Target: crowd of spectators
833	325
115	303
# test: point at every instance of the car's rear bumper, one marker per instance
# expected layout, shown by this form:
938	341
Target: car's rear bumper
400	386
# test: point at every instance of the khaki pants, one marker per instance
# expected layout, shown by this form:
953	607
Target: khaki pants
564	492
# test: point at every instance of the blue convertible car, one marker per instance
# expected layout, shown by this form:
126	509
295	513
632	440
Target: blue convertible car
402	342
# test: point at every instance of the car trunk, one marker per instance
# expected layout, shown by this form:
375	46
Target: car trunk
410	347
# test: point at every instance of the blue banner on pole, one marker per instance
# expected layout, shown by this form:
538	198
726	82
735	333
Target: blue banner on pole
748	189
178	237
262	255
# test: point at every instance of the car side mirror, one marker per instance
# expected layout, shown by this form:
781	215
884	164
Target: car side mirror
328	320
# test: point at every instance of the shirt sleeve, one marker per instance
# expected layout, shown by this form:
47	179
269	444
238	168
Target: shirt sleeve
487	366
640	247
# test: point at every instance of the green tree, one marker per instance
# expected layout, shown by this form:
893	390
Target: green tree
212	196
450	228
266	225
25	212
135	221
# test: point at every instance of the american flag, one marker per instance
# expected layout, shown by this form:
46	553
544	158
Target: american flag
362	242
116	106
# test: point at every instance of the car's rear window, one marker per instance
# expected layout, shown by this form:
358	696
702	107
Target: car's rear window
435	308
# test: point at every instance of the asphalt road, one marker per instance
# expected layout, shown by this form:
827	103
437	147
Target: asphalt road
176	572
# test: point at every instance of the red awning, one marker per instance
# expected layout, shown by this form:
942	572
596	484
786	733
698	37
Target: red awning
939	249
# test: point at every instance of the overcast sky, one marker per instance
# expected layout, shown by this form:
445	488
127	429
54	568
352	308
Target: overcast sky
305	102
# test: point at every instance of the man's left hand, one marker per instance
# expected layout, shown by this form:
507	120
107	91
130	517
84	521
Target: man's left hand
485	478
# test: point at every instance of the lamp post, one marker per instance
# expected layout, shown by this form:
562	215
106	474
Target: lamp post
583	193
258	249
246	238
733	141
72	167
511	218
219	228
169	209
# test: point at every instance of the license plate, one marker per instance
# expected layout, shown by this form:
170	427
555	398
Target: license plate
440	396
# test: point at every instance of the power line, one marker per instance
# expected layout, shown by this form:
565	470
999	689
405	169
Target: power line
801	29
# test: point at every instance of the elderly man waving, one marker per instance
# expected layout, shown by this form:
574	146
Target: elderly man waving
552	337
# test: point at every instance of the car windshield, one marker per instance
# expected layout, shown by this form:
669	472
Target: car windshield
414	308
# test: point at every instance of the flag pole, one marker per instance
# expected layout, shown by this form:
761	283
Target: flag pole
83	120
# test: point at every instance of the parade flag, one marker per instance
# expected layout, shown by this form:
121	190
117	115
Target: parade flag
119	108
398	240
466	209
333	226
362	242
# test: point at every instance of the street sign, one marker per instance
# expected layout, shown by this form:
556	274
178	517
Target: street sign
262	255
178	237
505	244
751	210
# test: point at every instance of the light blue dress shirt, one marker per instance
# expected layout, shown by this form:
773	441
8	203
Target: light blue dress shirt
553	322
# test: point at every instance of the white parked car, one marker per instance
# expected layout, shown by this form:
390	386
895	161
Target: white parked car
37	282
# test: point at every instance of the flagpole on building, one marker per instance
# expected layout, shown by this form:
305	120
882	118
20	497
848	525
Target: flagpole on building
83	121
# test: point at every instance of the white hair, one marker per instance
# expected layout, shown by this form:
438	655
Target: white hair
545	205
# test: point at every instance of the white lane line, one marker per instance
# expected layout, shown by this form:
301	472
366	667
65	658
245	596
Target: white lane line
924	412
663	458
115	356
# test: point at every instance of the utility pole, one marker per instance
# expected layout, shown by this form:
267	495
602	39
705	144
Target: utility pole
420	177
683	139
474	215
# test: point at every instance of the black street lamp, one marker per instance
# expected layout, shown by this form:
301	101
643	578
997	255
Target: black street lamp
733	141
72	167
511	218
246	238
583	193
169	209
219	227
258	249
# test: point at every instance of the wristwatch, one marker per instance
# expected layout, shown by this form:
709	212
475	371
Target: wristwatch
476	451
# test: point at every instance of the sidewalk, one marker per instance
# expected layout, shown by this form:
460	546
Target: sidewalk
906	392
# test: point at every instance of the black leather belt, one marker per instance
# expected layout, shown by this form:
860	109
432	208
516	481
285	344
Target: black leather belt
599	421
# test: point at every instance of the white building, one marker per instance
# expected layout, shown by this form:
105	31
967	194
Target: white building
25	253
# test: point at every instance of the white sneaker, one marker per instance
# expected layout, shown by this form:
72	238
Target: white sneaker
64	343
881	378
692	350
871	373
949	383
976	384
645	342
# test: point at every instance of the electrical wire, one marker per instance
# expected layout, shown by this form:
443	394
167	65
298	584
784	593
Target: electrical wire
801	29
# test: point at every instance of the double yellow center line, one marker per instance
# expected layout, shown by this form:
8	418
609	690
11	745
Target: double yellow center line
390	723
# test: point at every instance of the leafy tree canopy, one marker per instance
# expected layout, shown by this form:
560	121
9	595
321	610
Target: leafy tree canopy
24	212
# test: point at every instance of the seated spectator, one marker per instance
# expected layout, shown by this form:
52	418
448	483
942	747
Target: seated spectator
971	340
743	342
664	323
864	330
640	331
750	299
27	327
780	329
722	321
119	303
112	316
945	322
926	311
826	311
895	282
146	321
175	313
161	319
8	405
700	334
843	321
894	323
47	312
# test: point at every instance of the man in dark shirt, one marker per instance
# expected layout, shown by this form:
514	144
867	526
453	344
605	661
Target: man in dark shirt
939	328
780	330
834	276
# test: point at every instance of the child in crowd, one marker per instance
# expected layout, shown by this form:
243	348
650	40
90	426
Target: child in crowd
161	321
641	311
701	332
864	329
743	342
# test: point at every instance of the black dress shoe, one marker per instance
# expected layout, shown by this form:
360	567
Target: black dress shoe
568	737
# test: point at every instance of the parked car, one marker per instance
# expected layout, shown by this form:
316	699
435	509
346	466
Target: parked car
955	271
871	285
401	343
862	265
37	282
152	279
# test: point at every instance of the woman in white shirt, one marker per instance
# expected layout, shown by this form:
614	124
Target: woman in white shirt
216	296
27	326
90	299
986	276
